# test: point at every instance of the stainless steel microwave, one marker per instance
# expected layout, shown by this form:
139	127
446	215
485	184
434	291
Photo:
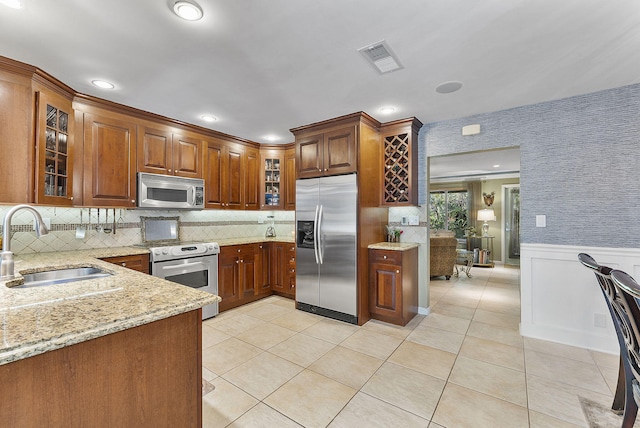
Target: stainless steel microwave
170	192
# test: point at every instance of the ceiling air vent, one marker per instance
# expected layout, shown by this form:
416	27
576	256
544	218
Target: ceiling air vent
381	57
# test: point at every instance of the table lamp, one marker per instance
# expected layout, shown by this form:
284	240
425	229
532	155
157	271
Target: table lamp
485	215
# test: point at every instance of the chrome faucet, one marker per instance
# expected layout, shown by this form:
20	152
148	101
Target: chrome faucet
6	262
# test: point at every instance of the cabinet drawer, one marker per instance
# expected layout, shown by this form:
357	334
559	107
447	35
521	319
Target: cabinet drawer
138	262
385	256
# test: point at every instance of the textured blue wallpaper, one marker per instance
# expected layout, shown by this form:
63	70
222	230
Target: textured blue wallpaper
579	164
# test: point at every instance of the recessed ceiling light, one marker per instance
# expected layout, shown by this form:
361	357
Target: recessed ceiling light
496	166
187	10
103	84
448	87
387	110
208	118
271	138
13	4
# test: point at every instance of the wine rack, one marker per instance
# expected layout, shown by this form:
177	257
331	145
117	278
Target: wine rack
397	174
400	162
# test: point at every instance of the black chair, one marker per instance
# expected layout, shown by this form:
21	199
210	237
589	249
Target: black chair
608	289
627	304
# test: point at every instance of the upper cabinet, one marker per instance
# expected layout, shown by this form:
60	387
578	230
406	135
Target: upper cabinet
54	142
289	189
328	153
400	162
162	152
272	179
109	161
231	175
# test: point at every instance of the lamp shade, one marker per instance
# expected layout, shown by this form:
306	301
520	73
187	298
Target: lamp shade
486	214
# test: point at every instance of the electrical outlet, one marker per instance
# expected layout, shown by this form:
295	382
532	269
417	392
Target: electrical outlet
260	220
600	320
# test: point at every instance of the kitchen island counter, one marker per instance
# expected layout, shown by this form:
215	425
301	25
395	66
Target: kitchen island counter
40	319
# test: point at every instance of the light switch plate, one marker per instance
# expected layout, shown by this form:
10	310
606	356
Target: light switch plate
541	221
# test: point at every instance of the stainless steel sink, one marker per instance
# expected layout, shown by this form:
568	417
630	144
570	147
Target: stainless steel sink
50	277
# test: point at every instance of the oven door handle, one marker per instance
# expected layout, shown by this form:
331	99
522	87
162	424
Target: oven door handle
184	265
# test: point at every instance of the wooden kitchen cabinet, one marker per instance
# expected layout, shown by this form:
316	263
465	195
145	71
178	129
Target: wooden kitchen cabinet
283	268
393	285
271	179
138	262
289	190
231	175
263	286
400	162
238	275
149	375
329	153
162	152
109	161
54	149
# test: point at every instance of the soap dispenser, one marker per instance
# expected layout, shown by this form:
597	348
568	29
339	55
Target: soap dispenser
271	229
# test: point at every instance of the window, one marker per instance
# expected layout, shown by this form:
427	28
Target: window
449	210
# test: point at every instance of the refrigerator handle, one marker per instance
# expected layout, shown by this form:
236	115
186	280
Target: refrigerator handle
320	243
315	235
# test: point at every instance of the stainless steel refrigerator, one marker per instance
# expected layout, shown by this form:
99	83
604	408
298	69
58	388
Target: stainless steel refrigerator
326	239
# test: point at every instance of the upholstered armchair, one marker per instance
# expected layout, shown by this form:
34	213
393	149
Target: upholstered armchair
442	250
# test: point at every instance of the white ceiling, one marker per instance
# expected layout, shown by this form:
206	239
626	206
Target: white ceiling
484	165
263	67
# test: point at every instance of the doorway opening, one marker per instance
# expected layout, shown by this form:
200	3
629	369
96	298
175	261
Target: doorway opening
511	224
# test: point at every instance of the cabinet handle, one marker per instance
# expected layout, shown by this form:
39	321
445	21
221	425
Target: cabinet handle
237	261
239	250
398	271
246	205
124	264
260	246
293	248
133	201
326	169
292	259
241	261
71	198
384	257
169	170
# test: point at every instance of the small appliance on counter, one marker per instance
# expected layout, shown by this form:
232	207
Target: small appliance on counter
271	229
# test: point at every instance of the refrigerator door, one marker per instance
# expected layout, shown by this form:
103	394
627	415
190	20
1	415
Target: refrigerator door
307	269
337	227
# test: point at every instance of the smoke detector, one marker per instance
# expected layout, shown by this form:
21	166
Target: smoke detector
381	57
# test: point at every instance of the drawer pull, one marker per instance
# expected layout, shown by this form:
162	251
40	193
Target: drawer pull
398	271
384	257
124	264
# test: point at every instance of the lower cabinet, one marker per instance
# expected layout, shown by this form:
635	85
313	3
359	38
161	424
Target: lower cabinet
283	269
139	262
250	272
393	285
150	375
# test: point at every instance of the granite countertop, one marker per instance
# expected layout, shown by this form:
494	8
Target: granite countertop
40	319
395	246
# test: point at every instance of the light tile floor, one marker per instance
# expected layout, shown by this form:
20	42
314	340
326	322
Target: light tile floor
464	365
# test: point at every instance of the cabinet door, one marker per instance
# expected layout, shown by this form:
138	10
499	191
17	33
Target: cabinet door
228	278
309	152
109	162
340	151
54	150
264	279
138	262
385	293
154	151
213	159
251	178
289	188
271	179
279	267
249	274
232	178
187	156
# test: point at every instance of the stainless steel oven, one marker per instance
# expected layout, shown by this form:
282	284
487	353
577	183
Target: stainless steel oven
194	265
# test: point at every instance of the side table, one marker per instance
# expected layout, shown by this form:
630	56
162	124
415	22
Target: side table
465	258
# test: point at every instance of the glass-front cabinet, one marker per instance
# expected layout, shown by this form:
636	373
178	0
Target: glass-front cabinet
54	141
272	179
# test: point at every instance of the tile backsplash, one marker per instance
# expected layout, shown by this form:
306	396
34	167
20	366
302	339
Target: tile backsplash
206	225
